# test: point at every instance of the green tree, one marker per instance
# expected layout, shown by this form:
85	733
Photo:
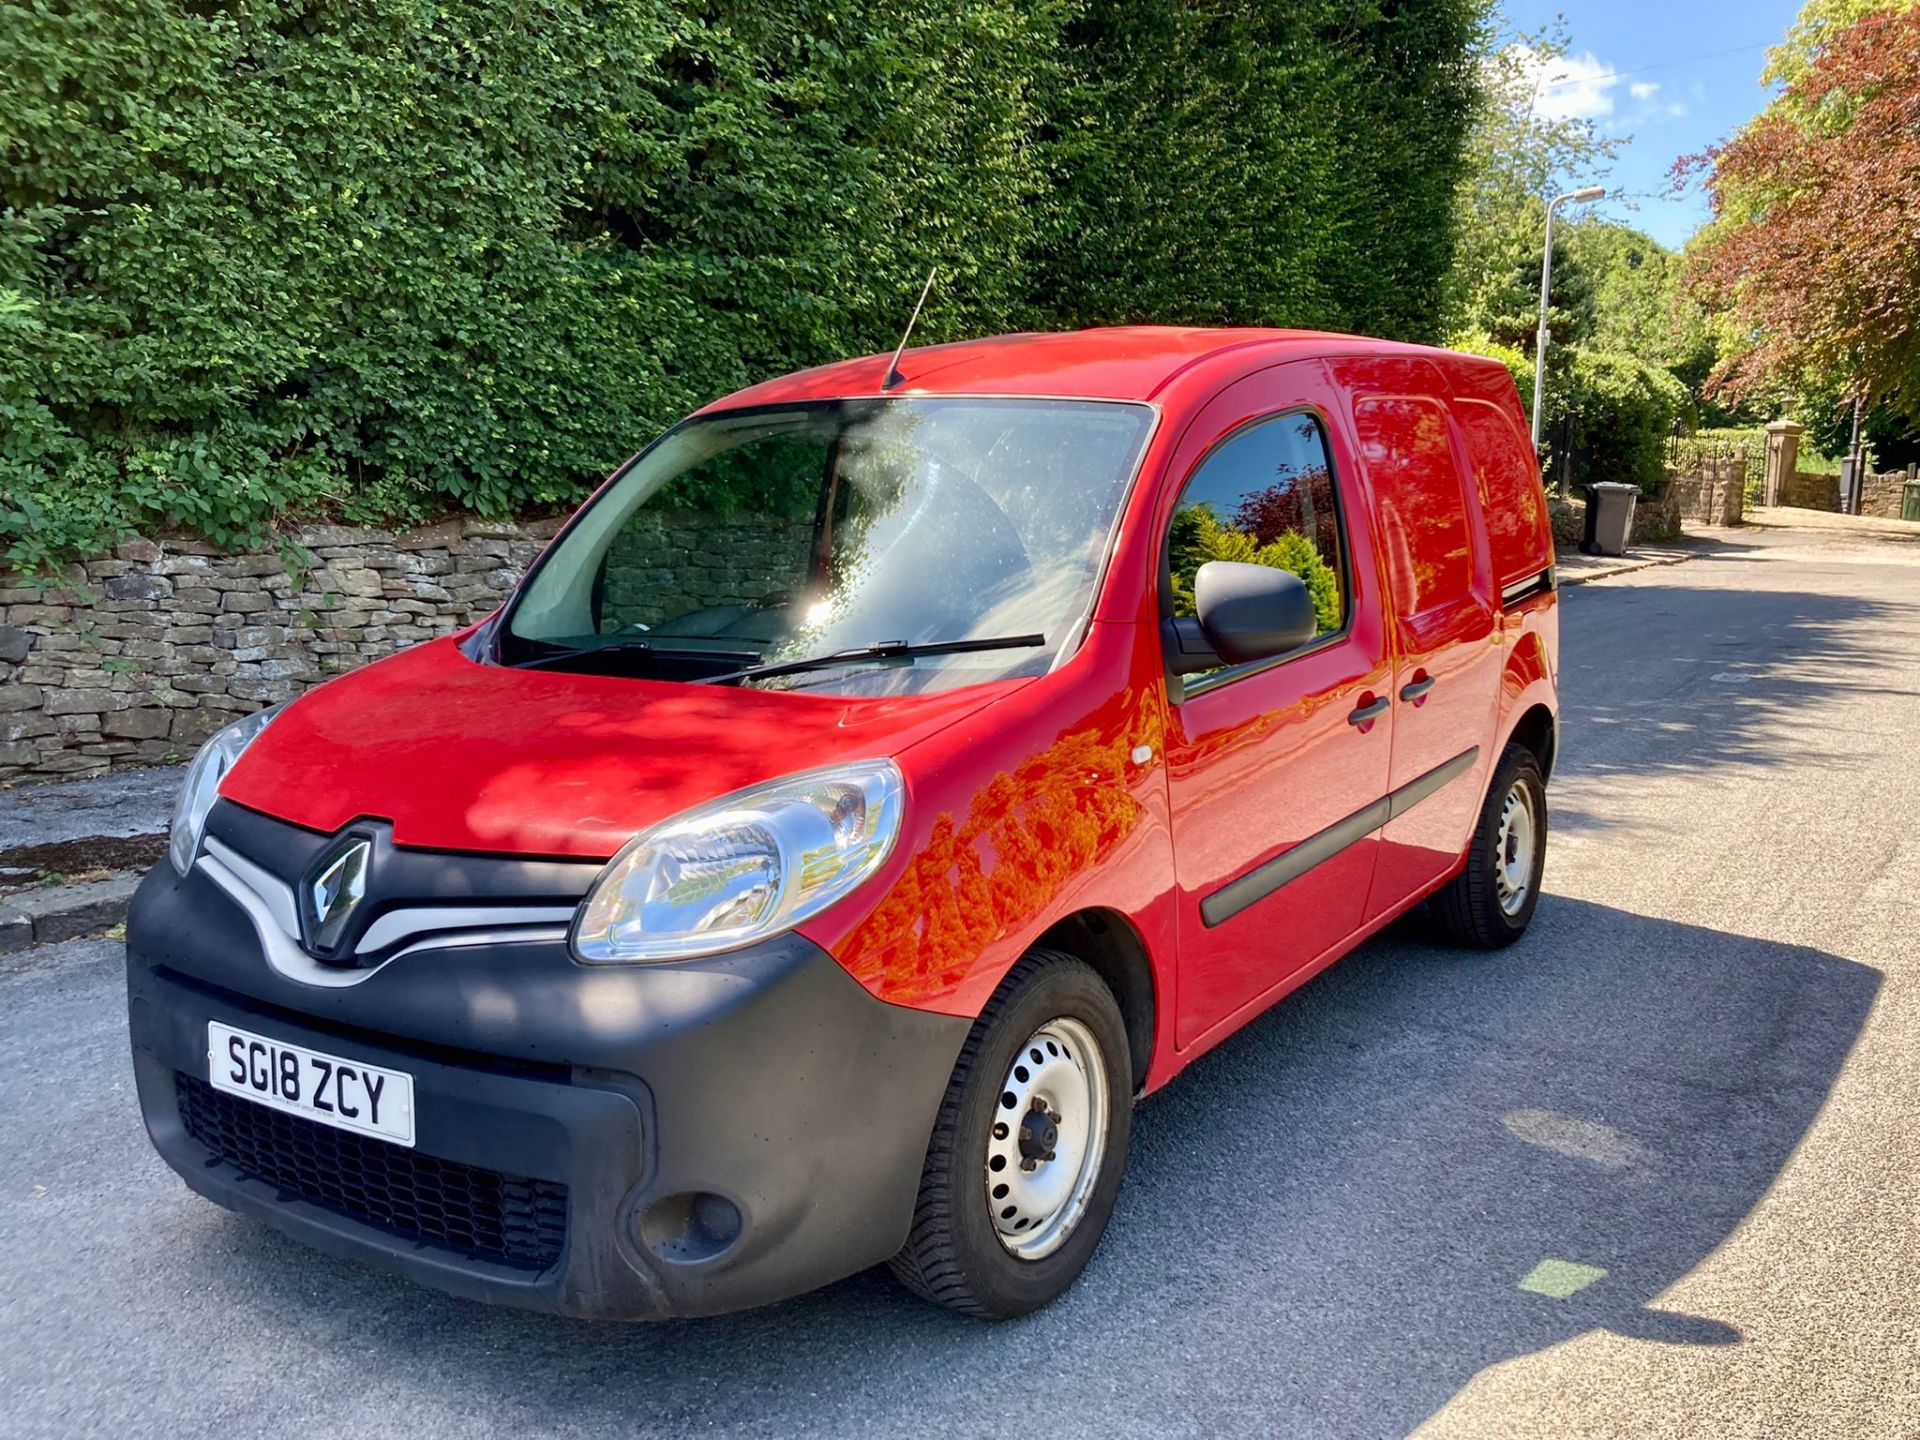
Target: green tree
1815	26
1641	306
1518	155
1615	412
1889	428
1635	280
1512	311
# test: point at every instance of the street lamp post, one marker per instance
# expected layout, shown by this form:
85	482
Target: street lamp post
1589	192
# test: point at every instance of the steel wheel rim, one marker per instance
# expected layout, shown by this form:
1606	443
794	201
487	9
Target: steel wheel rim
1513	850
1054	1091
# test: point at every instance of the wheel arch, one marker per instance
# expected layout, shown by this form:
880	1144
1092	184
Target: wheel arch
1107	940
1539	731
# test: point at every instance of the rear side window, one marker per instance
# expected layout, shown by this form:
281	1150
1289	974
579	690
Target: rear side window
1510	493
1423	511
1264	496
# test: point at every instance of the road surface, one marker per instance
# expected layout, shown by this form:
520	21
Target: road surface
1655	1171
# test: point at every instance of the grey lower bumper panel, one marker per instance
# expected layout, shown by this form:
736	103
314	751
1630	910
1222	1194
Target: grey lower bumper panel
622	1142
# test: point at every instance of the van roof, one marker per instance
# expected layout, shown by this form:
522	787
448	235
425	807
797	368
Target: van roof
1131	362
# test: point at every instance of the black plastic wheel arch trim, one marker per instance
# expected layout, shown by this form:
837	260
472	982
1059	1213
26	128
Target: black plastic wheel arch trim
1261	881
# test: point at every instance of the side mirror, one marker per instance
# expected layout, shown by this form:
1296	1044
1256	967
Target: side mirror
1246	612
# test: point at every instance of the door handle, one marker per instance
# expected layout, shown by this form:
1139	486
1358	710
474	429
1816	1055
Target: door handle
1366	714
1414	689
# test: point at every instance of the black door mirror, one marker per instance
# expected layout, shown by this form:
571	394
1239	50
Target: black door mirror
1246	612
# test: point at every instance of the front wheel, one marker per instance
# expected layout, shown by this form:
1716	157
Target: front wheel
1029	1147
1490	903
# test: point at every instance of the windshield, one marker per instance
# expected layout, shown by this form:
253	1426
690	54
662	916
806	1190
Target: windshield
795	533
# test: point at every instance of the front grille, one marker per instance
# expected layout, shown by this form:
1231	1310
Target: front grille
478	1213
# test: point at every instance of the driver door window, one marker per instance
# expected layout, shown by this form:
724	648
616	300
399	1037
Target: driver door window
1265	496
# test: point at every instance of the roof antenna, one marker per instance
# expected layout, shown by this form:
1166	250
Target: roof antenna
894	377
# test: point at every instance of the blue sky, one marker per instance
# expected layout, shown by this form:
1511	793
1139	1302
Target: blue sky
1675	75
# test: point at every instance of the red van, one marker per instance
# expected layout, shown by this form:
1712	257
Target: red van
885	780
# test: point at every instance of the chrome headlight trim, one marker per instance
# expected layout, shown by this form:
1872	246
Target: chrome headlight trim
202	786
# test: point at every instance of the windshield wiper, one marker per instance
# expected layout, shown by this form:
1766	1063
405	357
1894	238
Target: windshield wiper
630	647
884	650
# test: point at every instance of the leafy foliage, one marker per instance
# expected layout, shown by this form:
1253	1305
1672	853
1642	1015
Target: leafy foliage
1815	205
271	257
1817	23
1889	429
1511	315
1640	303
1233	162
399	256
1615	412
1518	153
1197	536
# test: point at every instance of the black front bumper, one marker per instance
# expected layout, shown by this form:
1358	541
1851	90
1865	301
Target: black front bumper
623	1142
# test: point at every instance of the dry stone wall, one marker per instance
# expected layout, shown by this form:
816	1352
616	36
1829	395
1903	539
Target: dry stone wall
660	566
1676	502
1805	490
1714	496
136	657
1881	494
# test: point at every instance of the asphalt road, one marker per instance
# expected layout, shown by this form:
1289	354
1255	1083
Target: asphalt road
1700	1075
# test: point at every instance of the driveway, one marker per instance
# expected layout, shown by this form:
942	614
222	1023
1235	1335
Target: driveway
1654	1171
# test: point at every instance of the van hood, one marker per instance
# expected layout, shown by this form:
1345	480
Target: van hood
461	755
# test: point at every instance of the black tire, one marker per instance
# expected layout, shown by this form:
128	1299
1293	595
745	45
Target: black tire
953	1255
1469	910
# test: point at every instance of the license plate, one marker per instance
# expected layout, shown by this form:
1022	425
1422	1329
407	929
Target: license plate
346	1094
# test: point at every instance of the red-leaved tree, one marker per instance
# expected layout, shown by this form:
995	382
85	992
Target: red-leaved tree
1815	248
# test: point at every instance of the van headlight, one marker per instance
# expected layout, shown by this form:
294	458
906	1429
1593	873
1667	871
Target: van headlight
751	864
209	768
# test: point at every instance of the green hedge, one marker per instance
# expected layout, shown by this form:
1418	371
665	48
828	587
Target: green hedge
1621	411
1252	163
377	260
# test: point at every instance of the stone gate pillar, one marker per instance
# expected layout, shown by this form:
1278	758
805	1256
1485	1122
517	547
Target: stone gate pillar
1783	455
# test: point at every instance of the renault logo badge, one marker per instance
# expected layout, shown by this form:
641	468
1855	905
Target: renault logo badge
331	894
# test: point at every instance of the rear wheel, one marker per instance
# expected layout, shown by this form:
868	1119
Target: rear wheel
1029	1147
1490	902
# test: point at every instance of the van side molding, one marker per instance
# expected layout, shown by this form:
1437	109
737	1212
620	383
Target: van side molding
1289	865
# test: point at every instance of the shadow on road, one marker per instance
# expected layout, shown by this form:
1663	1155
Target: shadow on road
1723	677
1325	1229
